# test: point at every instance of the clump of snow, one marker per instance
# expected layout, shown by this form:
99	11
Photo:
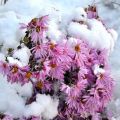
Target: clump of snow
24	91
97	69
114	109
9	28
13	99
23	55
79	14
2	57
10	102
44	106
13	61
94	32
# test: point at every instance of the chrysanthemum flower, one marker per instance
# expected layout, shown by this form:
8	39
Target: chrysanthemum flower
4	68
7	117
40	51
55	49
80	52
14	74
56	71
38	32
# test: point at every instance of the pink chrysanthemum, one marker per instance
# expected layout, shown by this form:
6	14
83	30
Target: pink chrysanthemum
7	117
40	51
80	52
39	29
70	69
4	68
56	71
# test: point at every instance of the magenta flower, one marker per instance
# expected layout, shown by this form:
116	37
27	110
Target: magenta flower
19	75
14	74
43	85
92	104
39	29
55	49
36	118
72	102
41	75
82	73
4	68
7	117
105	80
80	52
56	71
92	12
66	89
40	51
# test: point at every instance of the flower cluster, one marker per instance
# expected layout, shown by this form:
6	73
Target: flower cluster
71	70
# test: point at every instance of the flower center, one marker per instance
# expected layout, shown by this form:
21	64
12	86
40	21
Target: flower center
28	75
53	65
52	46
77	48
101	76
39	85
38	29
34	21
14	69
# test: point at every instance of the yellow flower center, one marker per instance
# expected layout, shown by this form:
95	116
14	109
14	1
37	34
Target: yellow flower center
52	46
38	29
39	85
28	75
53	65
14	69
77	48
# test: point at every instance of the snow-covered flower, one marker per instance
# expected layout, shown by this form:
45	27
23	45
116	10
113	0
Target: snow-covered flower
70	69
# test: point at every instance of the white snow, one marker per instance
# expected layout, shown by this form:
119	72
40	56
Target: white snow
94	32
10	102
23	55
97	70
44	106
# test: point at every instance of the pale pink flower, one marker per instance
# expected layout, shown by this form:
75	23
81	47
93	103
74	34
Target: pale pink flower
83	71
56	71
38	32
55	49
40	51
7	117
4	68
80	52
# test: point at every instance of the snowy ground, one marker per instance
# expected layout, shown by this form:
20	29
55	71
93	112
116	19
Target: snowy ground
108	14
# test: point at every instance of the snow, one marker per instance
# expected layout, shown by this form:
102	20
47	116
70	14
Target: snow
79	14
13	97
9	29
44	106
94	32
97	69
23	58
10	102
